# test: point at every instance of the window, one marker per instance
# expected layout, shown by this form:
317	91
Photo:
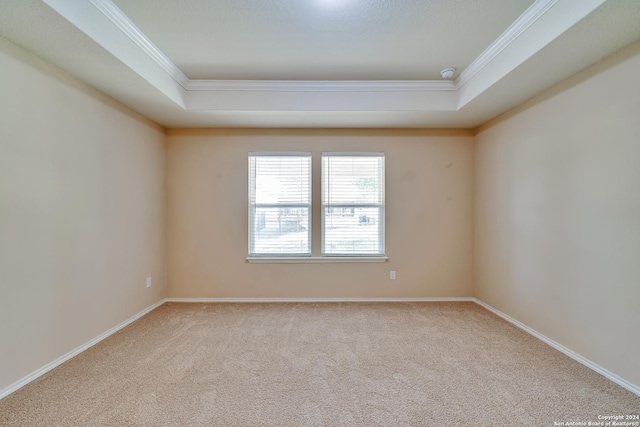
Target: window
352	204
349	219
279	204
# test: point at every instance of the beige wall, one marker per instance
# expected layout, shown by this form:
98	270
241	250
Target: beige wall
428	215
81	213
558	214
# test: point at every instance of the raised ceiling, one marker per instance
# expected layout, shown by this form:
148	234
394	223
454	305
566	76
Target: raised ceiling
321	39
321	63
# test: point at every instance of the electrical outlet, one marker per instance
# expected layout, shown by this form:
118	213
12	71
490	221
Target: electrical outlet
148	282
392	275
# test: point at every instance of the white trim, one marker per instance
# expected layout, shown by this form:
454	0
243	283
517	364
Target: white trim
322	85
313	259
353	154
524	21
319	300
593	366
60	360
575	356
280	154
122	21
323	95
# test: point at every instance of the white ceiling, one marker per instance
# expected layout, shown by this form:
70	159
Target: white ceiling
321	63
321	39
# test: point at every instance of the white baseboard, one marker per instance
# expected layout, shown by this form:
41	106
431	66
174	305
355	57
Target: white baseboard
49	366
602	371
575	356
338	299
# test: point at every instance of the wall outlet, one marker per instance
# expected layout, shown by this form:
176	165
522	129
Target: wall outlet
392	275
148	282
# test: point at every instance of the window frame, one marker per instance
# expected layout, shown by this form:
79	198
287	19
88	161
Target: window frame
380	206
252	206
314	211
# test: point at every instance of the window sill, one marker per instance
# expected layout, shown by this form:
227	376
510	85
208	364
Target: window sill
315	259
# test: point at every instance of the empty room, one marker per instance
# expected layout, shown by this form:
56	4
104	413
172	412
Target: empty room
319	213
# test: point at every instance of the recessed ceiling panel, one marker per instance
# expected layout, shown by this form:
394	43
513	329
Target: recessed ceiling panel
322	39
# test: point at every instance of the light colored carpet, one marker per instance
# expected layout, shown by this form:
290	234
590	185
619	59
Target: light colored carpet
324	364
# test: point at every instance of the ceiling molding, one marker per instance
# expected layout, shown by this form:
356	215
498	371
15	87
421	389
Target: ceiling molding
548	21
124	24
524	21
323	86
98	26
122	21
131	30
542	23
338	100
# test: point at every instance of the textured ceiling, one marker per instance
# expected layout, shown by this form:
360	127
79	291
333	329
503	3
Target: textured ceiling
321	39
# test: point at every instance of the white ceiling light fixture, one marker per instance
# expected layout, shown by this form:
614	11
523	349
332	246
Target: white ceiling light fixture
448	73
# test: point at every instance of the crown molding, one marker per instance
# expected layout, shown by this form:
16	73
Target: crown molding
524	21
322	85
124	24
97	20
122	21
108	26
520	25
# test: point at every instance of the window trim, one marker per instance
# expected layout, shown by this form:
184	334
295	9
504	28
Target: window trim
322	258
314	259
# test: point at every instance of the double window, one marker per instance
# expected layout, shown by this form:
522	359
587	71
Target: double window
351	210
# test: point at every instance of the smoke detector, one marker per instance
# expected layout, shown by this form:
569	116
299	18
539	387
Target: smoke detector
447	73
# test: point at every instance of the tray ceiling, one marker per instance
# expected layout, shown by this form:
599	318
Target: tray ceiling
321	39
321	63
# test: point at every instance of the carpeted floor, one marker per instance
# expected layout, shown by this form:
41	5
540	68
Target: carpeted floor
324	364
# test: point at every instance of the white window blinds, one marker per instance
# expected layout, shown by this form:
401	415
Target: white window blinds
352	204
279	204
